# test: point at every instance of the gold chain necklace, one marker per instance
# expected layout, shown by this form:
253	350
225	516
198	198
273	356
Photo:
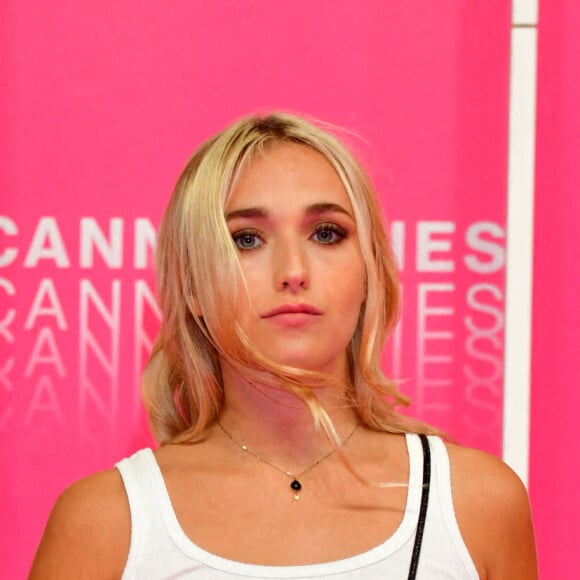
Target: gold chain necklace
295	484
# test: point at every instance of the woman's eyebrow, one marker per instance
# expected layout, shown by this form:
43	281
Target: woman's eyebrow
314	209
250	212
319	208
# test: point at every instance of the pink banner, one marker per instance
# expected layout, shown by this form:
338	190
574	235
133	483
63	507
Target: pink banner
101	106
554	467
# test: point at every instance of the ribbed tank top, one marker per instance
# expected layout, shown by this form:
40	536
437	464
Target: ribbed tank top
160	549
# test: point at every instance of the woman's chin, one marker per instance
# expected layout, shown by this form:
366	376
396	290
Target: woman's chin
308	362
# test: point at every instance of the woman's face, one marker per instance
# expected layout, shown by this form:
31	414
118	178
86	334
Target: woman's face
292	222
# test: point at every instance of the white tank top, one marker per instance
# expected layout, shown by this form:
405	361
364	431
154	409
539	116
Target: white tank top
160	549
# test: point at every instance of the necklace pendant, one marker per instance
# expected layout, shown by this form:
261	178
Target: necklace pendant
296	486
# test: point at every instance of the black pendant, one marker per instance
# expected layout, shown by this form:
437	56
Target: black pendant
296	485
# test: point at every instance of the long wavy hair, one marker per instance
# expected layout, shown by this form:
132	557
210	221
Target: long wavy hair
197	267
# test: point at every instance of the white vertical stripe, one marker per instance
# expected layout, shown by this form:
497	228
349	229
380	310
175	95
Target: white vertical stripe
516	419
525	12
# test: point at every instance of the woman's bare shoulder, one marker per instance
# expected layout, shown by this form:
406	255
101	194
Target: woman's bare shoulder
88	532
493	511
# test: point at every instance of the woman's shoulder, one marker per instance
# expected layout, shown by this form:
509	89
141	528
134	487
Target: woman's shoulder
480	479
483	471
493	512
88	531
98	496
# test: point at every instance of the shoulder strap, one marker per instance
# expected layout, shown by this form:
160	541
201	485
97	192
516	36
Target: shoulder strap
423	509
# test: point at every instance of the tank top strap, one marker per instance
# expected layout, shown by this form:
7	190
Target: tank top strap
145	493
426	483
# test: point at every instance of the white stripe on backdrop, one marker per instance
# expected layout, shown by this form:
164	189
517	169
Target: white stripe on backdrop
520	224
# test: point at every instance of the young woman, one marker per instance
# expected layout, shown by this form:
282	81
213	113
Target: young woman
282	455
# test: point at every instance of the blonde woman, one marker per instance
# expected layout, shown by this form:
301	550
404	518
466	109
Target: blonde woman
282	454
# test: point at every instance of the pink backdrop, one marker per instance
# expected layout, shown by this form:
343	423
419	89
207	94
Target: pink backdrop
101	105
554	466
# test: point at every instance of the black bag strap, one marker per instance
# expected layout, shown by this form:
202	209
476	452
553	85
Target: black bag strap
423	510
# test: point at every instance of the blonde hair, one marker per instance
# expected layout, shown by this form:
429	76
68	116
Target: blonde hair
197	262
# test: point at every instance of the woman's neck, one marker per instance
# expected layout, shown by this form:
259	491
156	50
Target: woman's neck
278	424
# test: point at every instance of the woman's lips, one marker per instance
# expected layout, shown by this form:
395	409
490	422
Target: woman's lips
293	309
293	315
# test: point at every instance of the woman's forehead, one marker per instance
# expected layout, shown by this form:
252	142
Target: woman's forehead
284	172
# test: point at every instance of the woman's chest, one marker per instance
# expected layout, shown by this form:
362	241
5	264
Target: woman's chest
259	521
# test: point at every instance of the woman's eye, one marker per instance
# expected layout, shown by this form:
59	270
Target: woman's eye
328	234
247	240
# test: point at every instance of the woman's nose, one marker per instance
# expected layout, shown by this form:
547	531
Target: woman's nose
291	271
